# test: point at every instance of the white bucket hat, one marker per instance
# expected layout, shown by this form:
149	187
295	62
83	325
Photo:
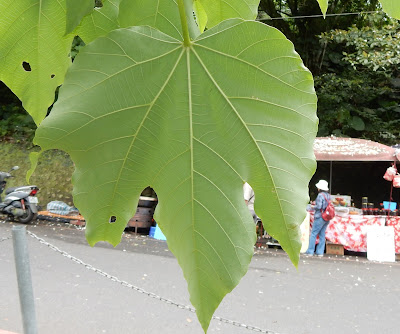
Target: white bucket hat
323	185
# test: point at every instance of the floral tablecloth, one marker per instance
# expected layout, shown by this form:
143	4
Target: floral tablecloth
351	231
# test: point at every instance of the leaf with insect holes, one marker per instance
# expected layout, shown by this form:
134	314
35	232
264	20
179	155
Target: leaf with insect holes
140	109
34	51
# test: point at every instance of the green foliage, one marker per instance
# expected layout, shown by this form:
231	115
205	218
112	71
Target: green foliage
304	32
15	124
178	129
77	45
359	95
358	104
370	47
52	176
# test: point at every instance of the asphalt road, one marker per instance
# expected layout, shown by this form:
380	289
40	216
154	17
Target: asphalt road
325	295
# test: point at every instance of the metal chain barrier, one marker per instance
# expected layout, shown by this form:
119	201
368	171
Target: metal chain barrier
140	290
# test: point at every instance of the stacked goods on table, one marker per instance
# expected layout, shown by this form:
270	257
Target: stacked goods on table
60	211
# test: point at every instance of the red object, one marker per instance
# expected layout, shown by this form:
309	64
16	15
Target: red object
329	212
33	192
390	173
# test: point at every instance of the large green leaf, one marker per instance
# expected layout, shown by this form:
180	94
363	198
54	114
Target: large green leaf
33	51
219	10
100	22
76	10
163	15
391	7
139	109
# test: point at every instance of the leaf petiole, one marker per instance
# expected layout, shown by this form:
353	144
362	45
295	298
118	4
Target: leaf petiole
189	27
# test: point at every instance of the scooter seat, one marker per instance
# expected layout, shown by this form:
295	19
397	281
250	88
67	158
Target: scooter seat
10	190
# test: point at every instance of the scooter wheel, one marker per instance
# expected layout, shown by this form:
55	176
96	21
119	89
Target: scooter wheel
27	217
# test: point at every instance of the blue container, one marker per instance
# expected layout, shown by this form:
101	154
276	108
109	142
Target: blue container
156	233
393	205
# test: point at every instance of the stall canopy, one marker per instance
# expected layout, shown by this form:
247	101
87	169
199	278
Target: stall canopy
352	149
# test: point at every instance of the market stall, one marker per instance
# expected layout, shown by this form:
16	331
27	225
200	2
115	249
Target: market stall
351	231
349	227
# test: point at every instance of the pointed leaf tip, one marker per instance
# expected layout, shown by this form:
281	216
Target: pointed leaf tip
33	157
323	4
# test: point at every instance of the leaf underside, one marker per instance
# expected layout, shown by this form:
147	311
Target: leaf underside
75	11
220	10
28	65
162	15
139	109
100	22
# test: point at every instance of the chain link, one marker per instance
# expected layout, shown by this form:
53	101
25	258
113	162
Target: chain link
140	290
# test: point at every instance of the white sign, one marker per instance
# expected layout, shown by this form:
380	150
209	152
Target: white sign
380	243
305	233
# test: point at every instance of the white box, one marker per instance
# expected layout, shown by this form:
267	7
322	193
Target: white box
380	243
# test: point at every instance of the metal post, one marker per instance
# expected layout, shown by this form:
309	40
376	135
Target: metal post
330	178
24	279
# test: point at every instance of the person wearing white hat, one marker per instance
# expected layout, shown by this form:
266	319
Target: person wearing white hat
319	225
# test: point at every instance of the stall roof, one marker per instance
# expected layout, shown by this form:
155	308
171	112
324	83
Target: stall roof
352	149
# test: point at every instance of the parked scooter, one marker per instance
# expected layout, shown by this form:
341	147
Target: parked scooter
20	203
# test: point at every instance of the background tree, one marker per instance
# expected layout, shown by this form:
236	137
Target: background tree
359	91
15	123
354	59
304	31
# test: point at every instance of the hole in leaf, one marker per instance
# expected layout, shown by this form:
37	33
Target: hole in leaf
26	66
52	76
98	4
113	219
